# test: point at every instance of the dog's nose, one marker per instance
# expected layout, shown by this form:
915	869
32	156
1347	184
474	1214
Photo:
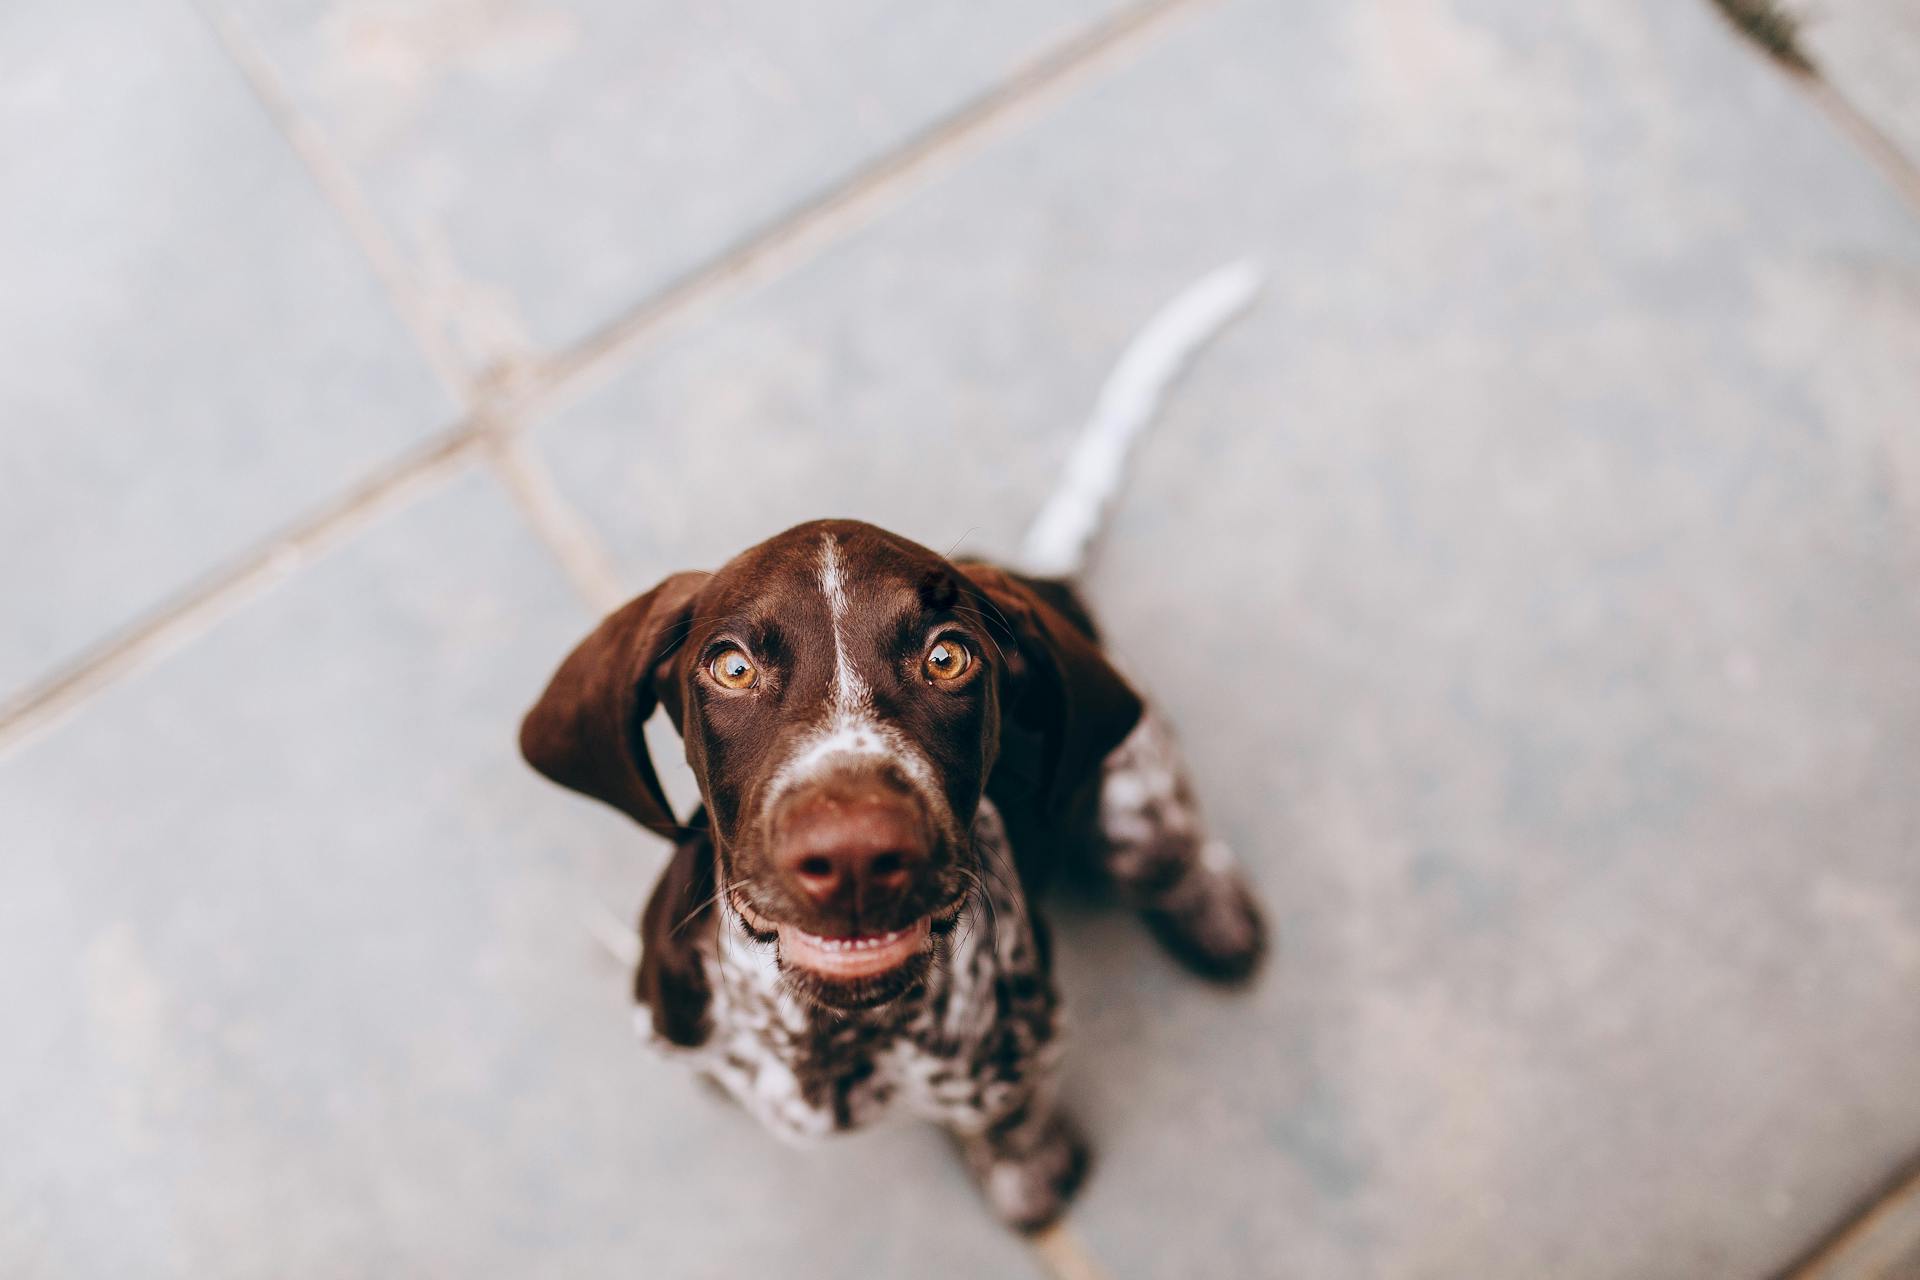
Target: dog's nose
851	851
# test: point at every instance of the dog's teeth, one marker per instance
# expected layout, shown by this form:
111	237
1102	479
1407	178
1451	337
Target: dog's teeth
867	943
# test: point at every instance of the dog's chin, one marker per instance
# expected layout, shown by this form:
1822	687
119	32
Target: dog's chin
855	975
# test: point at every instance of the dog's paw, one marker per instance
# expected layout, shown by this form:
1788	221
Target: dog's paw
1031	1188
1217	929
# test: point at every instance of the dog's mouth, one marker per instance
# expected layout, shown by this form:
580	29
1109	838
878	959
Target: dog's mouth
852	972
844	959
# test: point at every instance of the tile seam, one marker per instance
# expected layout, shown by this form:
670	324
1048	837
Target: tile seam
497	410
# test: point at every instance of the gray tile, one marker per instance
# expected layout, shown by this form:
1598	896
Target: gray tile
1882	1244
546	166
195	352
296	980
1870	50
1531	575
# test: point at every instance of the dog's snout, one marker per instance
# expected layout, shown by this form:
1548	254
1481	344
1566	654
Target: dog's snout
851	849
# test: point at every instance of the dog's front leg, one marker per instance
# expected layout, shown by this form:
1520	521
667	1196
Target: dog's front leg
1156	849
1029	1161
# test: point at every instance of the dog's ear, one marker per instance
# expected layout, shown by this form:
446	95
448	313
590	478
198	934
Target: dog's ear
1061	688
671	980
586	730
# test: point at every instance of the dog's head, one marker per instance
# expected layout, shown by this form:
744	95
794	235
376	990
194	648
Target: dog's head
845	696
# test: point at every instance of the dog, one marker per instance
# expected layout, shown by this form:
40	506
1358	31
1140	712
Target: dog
896	753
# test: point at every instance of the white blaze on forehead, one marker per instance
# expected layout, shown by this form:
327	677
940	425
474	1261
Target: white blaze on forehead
850	692
850	727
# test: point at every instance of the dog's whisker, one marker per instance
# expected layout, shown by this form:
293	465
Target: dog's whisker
987	634
714	901
996	621
948	553
976	876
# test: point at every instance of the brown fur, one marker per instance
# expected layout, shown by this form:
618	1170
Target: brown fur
1031	733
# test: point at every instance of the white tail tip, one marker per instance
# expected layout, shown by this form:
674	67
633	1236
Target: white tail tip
1063	532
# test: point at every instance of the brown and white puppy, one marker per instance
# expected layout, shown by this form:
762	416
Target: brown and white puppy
895	752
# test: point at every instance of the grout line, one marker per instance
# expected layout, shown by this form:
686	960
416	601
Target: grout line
338	189
586	562
1769	27
587	565
762	253
496	409
791	238
41	705
858	198
1871	1238
1776	34
1885	154
1064	1254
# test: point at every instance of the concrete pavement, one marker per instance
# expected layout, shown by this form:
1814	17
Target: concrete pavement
1530	574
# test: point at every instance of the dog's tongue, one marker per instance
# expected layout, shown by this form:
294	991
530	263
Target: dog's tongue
861	957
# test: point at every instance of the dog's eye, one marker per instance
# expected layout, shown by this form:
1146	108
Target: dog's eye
947	660
733	670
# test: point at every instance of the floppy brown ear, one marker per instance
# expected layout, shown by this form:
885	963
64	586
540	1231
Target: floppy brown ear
1064	690
671	980
585	732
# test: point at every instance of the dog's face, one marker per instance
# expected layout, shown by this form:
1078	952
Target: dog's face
839	699
844	697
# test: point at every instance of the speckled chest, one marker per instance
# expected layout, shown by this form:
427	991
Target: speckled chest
965	1051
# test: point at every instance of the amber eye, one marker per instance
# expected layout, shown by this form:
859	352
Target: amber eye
947	660
733	670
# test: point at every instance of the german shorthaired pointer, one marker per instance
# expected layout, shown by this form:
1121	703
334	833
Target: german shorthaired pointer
896	752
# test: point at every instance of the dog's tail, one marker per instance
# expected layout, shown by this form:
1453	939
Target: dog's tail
1062	535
